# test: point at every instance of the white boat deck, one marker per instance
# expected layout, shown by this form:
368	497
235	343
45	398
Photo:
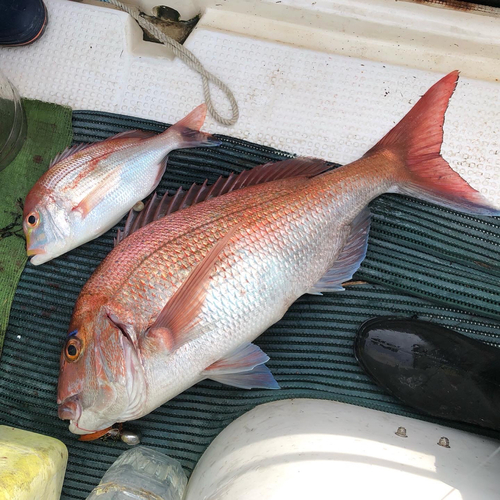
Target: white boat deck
324	78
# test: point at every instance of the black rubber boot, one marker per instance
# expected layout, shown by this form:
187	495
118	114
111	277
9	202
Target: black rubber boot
21	21
434	369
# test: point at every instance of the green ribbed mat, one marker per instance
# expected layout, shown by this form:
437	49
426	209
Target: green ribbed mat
449	260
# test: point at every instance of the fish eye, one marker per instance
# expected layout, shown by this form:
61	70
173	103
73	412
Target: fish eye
33	219
73	349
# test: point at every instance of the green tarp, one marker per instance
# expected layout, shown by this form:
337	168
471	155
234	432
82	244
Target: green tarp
48	132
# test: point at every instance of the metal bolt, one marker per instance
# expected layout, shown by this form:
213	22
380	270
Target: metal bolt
401	432
130	437
444	442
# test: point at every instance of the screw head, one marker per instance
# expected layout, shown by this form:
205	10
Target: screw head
444	442
401	432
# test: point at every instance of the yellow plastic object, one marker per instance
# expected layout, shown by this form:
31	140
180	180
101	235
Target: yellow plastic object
32	466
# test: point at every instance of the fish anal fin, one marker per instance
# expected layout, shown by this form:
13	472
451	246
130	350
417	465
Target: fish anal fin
243	368
197	193
245	358
350	258
177	323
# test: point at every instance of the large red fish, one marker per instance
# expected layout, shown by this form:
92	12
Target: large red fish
181	299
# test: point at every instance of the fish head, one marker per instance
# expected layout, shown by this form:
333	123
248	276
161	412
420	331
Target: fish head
46	226
101	381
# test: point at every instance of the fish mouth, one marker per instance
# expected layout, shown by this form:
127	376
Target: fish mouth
70	409
75	429
37	254
34	251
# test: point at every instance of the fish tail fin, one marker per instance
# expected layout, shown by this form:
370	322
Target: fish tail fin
414	144
188	130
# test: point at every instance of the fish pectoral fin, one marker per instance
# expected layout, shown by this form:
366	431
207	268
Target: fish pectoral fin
177	323
350	258
87	204
243	368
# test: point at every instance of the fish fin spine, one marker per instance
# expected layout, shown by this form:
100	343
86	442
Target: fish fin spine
157	208
69	151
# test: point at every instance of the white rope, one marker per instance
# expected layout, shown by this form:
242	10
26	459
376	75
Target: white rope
190	60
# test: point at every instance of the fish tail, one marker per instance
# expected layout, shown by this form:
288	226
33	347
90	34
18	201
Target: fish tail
188	130
414	145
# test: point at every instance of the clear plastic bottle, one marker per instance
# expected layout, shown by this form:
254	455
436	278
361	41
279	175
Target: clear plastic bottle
12	122
142	473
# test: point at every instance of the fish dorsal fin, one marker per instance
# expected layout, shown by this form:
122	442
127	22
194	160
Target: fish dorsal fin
70	150
243	368
177	322
350	258
156	207
132	134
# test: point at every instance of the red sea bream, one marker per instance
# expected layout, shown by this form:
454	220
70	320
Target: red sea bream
183	298
90	187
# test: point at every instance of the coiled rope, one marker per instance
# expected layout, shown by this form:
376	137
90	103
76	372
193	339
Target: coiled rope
191	61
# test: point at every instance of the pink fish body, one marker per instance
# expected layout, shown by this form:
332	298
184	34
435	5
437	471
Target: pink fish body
182	298
89	188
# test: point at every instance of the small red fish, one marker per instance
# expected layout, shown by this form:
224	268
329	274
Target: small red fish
181	299
90	187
